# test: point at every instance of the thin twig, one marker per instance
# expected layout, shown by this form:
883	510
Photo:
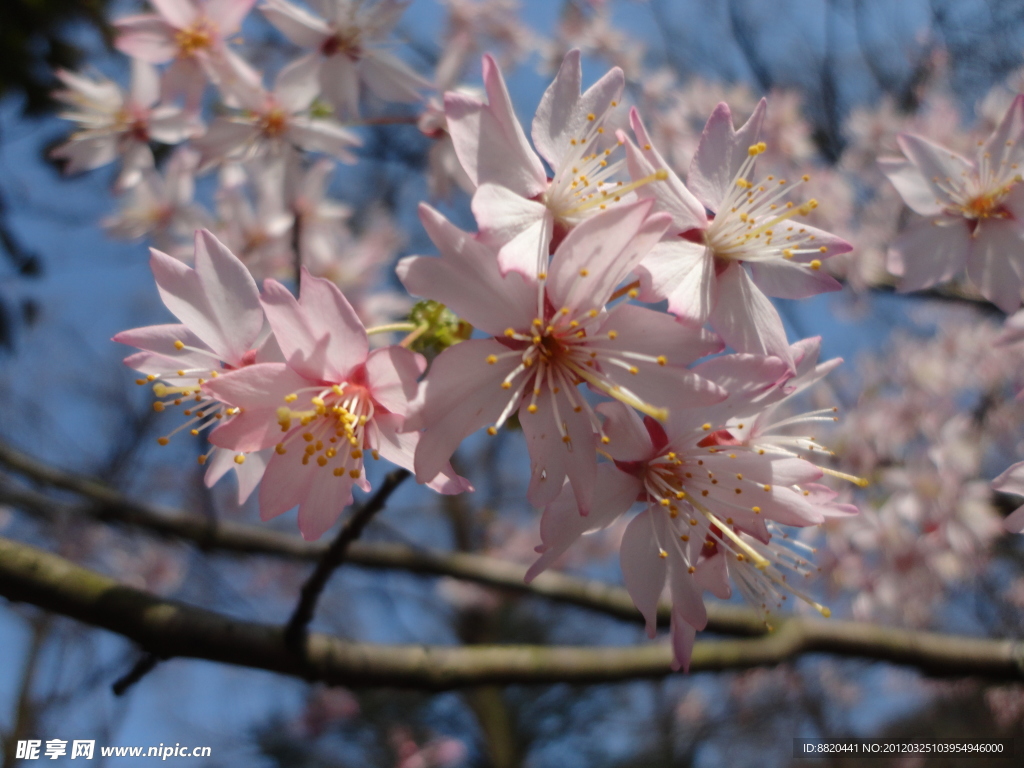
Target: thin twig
142	667
295	630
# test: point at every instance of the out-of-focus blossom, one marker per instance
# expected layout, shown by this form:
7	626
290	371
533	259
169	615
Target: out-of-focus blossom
161	206
440	752
222	330
320	223
725	226
471	24
971	213
117	124
324	409
273	122
549	336
595	33
445	172
191	33
324	708
253	220
348	51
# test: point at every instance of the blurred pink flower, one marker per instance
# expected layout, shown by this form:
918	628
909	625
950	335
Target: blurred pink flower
114	124
349	49
192	33
972	212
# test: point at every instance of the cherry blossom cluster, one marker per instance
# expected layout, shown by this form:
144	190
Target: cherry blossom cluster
298	402
588	309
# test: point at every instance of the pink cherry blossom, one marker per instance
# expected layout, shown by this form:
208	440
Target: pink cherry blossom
192	34
253	219
332	402
348	50
161	206
971	212
115	124
726	226
273	122
222	330
520	211
717	483
548	336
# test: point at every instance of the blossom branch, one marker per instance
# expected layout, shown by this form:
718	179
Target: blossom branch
168	628
295	631
238	538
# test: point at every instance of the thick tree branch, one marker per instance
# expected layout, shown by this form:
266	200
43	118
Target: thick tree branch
295	631
238	538
169	628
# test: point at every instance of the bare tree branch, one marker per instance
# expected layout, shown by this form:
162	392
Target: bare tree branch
295	631
169	628
238	538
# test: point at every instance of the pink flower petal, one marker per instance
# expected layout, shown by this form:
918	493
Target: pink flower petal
563	113
745	318
936	164
520	228
259	390
147	37
552	459
466	278
324	499
629	439
683	635
562	524
929	251
297	24
598	253
462	394
1011	480
489	141
339	80
327	136
687	602
996	263
179	13
787	280
320	335
228	14
643	568
1004	147
684	273
298	83
913	187
218	299
392	374
145	88
391	79
285	483
400	448
671	195
721	152
160	340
